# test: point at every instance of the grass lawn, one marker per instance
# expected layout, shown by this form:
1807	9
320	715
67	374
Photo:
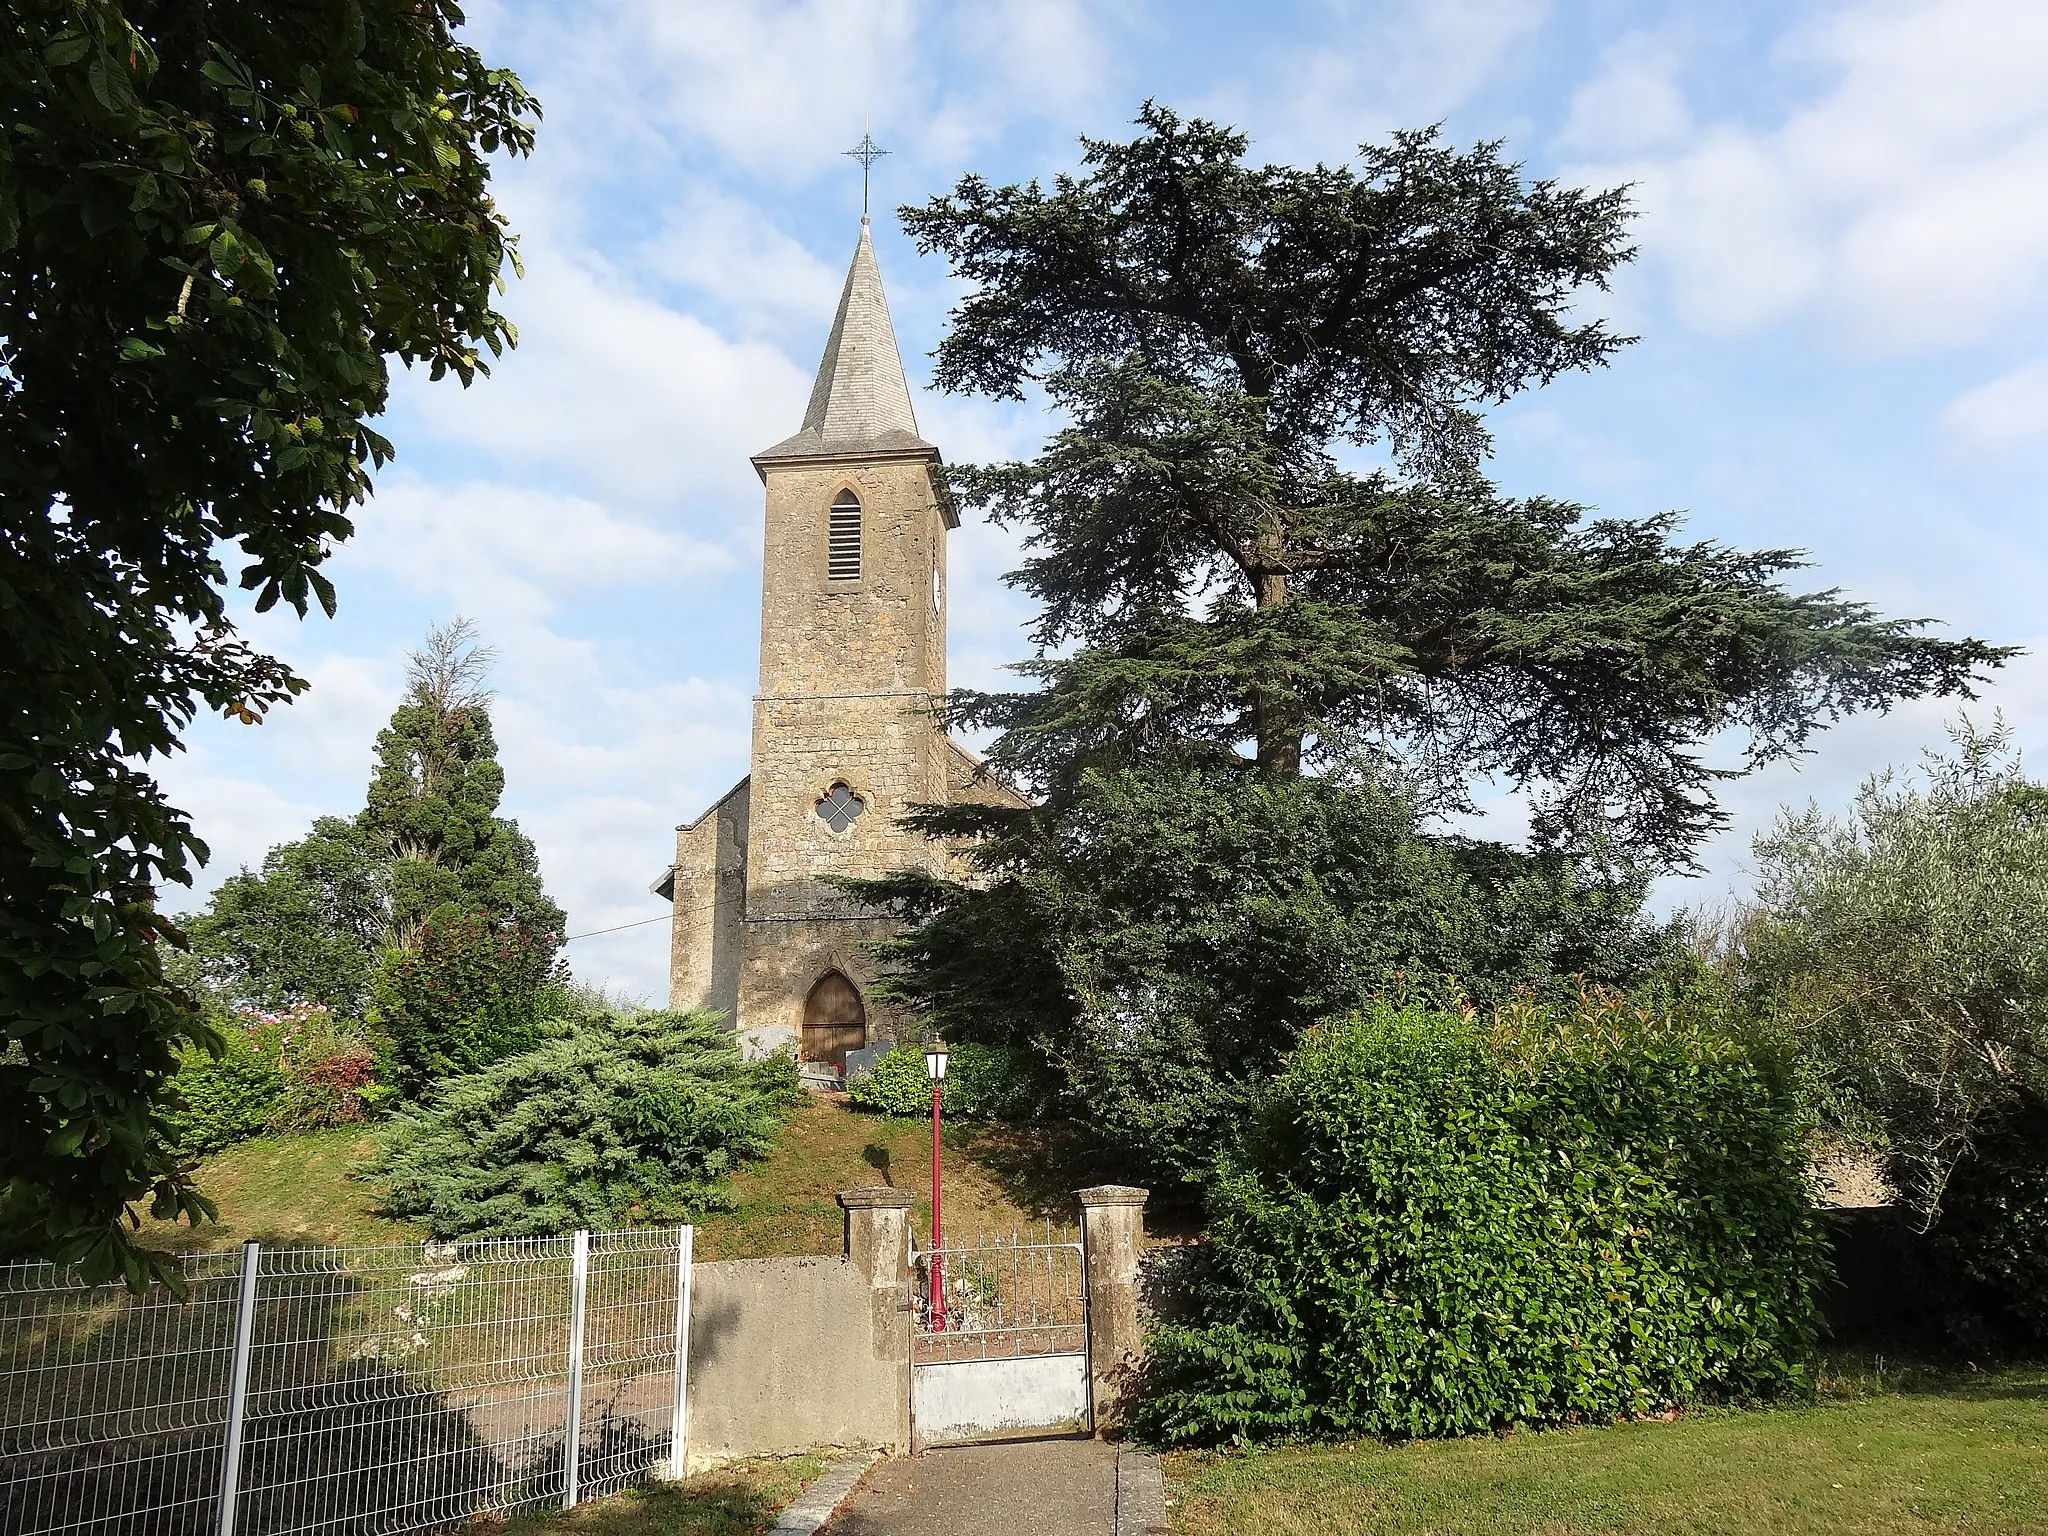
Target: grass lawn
287	1189
296	1189
737	1500
1880	1452
997	1178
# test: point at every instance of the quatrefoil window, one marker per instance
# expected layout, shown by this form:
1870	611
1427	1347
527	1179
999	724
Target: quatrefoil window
841	807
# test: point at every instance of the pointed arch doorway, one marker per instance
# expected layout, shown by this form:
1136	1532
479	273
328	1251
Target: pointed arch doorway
835	1021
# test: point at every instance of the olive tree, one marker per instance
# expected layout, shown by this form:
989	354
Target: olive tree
1909	939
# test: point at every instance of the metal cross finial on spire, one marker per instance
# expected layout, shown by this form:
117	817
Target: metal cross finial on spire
867	152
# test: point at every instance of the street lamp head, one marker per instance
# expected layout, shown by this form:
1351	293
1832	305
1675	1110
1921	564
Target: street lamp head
935	1059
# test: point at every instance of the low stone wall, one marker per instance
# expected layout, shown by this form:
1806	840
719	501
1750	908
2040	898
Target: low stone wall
782	1358
795	1354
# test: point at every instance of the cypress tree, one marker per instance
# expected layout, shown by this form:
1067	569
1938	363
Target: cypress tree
434	795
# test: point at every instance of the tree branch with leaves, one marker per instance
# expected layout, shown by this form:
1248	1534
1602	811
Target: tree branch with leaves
1207	572
217	223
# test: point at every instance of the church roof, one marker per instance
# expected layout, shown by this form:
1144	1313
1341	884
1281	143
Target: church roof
860	405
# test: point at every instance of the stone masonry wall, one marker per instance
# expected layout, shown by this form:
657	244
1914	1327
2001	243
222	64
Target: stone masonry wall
783	960
880	632
850	671
709	897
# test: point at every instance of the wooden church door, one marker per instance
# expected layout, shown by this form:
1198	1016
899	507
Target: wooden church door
835	1021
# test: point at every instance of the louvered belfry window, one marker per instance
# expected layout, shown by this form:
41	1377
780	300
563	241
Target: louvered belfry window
842	539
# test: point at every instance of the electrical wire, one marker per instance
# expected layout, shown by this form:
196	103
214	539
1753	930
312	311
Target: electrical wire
666	917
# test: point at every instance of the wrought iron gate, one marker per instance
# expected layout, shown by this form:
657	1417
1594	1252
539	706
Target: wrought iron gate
1001	1342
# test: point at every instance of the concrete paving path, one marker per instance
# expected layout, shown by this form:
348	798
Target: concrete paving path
1049	1487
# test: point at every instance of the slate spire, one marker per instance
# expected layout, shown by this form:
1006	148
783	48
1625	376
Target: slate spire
860	404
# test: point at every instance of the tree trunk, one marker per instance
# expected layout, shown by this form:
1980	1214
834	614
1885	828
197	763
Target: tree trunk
1278	725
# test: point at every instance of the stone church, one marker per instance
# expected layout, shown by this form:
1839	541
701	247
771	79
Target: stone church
853	659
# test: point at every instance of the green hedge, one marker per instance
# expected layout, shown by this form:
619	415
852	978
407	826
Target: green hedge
214	1101
983	1082
1439	1224
619	1117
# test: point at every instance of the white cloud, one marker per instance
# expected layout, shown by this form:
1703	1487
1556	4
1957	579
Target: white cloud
1635	103
1049	55
780	89
238	819
2004	413
730	253
1375	67
644	403
602	801
599	768
1903	203
513	550
248	788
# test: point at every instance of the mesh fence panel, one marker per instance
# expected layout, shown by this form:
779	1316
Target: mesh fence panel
628	1357
390	1389
113	1408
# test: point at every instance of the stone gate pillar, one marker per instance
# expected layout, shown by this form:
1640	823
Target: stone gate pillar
1112	1237
878	1250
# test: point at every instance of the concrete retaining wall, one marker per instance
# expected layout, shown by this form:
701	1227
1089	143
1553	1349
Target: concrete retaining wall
796	1354
783	1358
973	1399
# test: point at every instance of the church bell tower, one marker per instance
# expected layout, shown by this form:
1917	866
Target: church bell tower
853	661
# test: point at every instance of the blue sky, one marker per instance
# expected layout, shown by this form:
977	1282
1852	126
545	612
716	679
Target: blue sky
1842	295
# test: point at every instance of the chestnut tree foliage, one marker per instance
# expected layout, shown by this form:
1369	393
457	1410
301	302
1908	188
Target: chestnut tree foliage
217	224
1230	604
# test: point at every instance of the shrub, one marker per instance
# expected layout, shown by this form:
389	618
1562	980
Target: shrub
613	1118
472	993
996	1082
218	1099
983	1082
896	1084
297	1069
329	1072
1990	1246
1438	1224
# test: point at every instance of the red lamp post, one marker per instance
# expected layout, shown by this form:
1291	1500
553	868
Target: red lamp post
935	1066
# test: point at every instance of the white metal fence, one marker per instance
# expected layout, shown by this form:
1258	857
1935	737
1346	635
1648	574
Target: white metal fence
301	1390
